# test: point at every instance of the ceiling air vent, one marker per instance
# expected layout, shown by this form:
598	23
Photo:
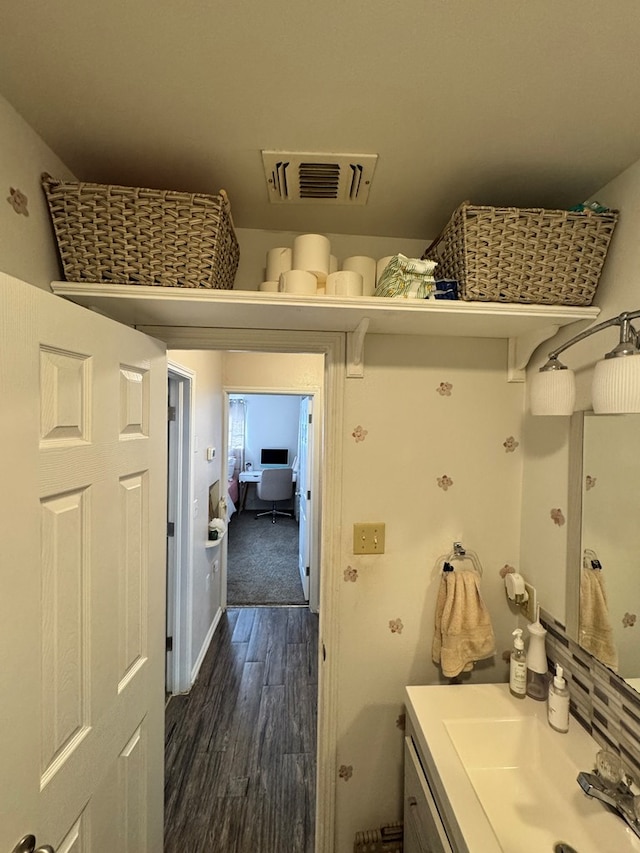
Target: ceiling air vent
310	178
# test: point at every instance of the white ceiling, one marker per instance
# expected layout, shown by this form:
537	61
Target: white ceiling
514	102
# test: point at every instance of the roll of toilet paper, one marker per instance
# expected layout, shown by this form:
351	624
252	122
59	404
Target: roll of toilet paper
344	283
269	286
311	253
367	269
333	263
302	282
381	266
278	261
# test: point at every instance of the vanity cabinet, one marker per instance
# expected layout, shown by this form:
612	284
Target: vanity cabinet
424	827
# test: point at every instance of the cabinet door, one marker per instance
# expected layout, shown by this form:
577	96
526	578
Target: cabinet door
424	831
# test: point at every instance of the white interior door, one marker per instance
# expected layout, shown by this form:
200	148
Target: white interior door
82	574
303	491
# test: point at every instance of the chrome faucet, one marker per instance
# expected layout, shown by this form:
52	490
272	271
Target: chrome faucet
607	784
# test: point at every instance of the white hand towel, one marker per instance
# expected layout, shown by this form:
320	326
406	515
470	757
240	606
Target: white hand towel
463	631
596	634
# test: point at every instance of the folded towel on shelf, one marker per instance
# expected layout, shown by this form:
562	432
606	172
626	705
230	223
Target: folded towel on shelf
463	632
596	633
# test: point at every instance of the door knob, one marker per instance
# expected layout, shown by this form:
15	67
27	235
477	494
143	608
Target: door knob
28	845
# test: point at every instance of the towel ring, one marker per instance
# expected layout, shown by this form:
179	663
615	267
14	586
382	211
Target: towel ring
461	553
590	560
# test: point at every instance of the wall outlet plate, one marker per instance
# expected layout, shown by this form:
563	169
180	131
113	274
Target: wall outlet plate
530	607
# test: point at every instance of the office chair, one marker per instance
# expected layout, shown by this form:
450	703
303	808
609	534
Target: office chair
276	484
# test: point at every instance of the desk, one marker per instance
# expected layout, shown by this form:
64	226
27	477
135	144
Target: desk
245	478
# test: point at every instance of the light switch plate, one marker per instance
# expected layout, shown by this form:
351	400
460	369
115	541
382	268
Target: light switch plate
368	538
211	452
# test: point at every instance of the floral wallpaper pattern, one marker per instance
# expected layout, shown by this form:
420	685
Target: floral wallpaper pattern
18	201
403	450
350	574
345	772
359	433
557	517
590	482
629	620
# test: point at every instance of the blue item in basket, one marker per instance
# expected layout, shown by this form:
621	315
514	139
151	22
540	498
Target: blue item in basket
446	289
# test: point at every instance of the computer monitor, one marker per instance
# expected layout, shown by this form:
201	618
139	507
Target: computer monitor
272	457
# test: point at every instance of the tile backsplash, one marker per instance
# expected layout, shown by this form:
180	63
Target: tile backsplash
600	700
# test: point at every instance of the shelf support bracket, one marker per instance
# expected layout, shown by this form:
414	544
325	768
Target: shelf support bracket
522	348
355	350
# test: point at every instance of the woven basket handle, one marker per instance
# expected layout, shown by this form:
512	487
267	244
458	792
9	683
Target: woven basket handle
431	248
227	205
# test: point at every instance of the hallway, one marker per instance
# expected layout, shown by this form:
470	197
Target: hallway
240	748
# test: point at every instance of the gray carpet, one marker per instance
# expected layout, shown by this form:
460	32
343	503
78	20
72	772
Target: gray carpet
262	561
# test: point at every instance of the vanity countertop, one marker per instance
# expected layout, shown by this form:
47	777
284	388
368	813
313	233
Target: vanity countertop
505	779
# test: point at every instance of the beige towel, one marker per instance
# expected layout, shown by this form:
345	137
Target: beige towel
596	634
463	632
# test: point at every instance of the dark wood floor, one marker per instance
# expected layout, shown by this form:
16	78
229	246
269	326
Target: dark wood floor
240	749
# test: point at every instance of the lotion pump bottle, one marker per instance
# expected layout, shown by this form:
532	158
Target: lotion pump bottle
558	704
537	683
518	667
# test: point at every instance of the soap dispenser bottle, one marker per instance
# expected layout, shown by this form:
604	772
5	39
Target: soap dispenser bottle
558	704
537	683
518	667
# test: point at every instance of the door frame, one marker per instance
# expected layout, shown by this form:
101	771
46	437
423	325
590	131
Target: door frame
179	502
333	346
316	394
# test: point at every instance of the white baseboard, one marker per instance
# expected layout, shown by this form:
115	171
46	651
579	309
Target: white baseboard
205	646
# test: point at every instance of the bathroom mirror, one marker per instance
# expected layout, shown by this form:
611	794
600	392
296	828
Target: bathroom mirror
606	471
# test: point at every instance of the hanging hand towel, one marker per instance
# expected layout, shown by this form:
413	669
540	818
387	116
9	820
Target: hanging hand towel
463	631
596	634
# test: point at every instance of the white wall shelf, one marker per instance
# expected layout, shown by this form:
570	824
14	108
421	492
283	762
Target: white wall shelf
525	326
214	543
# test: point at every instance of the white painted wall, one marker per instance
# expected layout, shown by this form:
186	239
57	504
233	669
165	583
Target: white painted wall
204	584
272	421
27	245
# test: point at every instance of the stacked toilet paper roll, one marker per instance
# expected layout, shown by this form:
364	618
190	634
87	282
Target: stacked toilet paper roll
311	252
367	269
344	283
301	282
269	286
278	261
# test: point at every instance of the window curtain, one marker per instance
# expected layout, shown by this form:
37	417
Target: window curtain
237	429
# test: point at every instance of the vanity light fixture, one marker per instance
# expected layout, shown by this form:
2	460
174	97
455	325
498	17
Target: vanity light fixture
616	378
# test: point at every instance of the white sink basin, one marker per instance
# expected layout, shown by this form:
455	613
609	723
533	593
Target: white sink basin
527	785
508	779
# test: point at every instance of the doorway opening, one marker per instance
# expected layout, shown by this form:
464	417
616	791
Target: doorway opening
273	559
331	346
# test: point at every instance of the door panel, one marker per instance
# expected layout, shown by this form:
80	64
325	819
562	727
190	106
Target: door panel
82	527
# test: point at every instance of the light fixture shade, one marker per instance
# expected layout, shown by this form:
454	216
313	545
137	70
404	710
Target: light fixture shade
552	392
616	385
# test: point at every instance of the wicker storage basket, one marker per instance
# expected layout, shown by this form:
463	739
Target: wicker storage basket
124	235
508	254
